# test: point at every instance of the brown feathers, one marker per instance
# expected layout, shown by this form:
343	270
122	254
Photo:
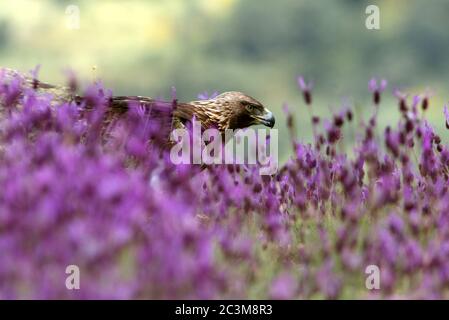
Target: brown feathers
229	110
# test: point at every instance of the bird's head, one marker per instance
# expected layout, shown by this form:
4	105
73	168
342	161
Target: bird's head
237	110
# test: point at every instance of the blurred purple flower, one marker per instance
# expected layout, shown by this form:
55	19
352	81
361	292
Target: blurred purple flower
446	115
283	287
138	226
205	95
377	89
306	89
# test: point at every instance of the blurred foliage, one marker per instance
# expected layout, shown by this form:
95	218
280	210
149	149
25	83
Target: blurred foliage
255	46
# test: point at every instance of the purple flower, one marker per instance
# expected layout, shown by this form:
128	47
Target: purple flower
446	115
306	89
396	225
402	100
425	99
205	95
377	89
328	282
283	287
34	74
108	200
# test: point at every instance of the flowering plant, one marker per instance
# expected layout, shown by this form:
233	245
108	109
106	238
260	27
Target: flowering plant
138	226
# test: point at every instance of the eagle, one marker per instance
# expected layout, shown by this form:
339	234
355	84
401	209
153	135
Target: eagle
229	110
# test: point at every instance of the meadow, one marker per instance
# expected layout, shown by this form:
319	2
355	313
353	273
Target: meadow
138	226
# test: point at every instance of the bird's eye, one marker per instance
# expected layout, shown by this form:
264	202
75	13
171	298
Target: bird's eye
249	107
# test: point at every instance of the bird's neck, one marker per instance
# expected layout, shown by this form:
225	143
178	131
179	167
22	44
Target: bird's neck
209	115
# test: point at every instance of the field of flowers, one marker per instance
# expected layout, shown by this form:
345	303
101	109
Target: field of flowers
138	226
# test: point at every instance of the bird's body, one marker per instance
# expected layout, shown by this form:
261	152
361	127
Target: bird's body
229	110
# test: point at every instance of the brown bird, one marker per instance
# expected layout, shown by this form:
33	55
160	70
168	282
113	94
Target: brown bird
229	110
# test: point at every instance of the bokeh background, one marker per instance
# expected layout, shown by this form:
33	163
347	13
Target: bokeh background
255	46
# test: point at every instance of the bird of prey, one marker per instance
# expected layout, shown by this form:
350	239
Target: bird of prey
229	110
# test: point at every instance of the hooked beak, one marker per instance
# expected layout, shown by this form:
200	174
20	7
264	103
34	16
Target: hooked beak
267	119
